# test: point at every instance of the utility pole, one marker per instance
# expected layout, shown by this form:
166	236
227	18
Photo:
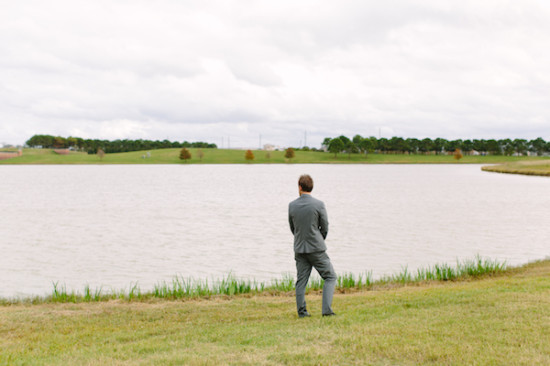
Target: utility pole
305	138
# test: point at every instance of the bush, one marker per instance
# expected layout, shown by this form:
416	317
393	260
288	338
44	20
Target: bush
249	155
289	153
185	154
457	154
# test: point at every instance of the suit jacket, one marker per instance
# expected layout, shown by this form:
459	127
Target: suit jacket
308	221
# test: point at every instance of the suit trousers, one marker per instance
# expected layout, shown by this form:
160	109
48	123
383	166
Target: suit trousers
321	262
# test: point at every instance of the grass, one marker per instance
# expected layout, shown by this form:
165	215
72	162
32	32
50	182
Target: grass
537	167
495	320
189	288
226	156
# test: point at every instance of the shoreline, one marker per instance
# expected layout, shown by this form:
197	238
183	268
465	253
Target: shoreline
182	288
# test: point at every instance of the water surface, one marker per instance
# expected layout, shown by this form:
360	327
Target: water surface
112	225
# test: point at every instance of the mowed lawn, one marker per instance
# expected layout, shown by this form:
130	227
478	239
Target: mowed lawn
226	156
501	320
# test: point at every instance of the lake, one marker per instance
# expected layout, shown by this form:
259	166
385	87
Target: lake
113	225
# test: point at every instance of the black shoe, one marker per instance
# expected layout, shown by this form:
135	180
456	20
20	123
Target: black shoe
304	315
331	314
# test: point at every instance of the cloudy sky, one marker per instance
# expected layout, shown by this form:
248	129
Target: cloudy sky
230	71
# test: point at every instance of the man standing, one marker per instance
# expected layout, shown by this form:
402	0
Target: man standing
309	224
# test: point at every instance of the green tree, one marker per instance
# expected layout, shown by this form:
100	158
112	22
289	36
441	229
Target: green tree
383	145
426	145
357	140
59	142
325	143
373	143
506	146
480	146
366	145
72	141
467	146
80	143
351	148
538	145
397	144
185	154
520	146
335	146
344	139
438	145
46	141
412	145
493	147
452	145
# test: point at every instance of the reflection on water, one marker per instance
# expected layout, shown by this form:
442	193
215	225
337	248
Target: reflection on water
112	225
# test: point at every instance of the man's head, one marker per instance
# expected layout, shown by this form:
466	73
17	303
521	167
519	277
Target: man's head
305	184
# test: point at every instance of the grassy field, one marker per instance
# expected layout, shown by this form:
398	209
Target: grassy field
225	156
537	167
495	320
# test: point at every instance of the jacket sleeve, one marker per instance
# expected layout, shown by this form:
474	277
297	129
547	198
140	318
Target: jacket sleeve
290	221
323	221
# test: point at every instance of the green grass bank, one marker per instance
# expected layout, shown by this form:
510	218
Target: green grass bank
227	156
494	320
182	288
537	167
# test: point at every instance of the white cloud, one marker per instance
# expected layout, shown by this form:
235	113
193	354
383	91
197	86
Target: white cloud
170	69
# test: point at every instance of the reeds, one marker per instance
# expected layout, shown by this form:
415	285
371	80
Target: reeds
188	288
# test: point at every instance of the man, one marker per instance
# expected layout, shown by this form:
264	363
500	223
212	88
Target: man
309	224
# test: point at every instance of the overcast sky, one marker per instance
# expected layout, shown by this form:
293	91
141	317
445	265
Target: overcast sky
221	71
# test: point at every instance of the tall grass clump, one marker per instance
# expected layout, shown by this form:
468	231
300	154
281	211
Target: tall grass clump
60	294
134	292
480	267
349	281
234	286
181	287
284	284
469	268
402	277
90	295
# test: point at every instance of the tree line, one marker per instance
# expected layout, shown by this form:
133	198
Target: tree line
399	145
115	146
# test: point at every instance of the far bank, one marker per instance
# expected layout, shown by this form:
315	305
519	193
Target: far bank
230	156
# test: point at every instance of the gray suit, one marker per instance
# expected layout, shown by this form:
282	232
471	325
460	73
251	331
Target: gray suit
308	221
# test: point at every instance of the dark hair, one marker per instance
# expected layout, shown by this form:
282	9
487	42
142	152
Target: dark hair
306	182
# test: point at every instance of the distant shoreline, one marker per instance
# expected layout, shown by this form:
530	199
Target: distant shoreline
228	156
